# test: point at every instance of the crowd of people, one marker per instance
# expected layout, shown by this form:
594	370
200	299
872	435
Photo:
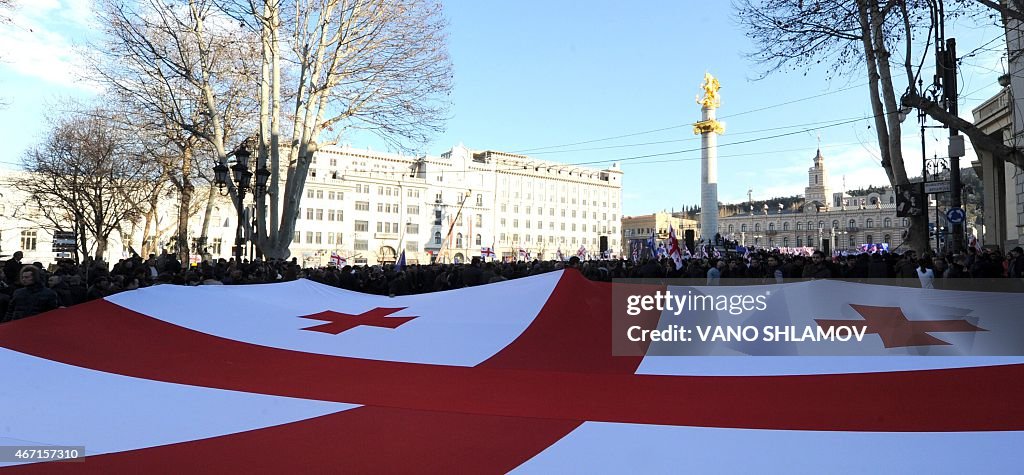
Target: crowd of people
28	289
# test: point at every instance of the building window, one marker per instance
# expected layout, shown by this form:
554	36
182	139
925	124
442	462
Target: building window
309	193
297	239
309	237
458	240
479	240
785	242
785	226
362	226
361	245
330	215
412	209
339	215
757	227
318	238
869	223
743	228
412	228
799	227
869	239
479	221
362	206
319	194
330	238
437	238
887	239
887	223
479	200
853	223
319	215
309	213
437	217
771	226
28	240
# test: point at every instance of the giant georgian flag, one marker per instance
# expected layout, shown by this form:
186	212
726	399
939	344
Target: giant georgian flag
513	376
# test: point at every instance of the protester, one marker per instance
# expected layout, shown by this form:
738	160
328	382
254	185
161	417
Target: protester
32	298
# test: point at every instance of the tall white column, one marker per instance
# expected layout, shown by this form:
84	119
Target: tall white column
708	179
709	128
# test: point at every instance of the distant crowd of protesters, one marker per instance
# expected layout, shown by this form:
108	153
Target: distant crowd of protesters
28	289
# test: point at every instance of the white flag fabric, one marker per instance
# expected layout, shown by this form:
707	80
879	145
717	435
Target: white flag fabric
514	376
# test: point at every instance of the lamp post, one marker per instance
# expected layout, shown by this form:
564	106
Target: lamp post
242	178
835	238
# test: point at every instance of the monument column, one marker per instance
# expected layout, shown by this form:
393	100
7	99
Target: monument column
709	128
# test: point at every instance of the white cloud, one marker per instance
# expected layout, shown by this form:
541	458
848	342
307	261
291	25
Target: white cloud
41	42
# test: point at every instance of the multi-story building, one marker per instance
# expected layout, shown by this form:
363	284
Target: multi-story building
657	225
369	206
826	220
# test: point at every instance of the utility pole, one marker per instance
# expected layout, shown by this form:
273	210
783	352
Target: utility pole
956	141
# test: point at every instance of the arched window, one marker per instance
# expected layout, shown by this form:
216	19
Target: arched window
785	226
458	240
730	229
757	227
799	242
853	223
810	240
869	223
743	227
479	240
887	239
821	225
874	200
853	242
869	239
835	223
887	223
906	222
771	226
785	242
437	238
799	227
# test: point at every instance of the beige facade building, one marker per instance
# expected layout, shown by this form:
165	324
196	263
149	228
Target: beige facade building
827	219
368	206
643	226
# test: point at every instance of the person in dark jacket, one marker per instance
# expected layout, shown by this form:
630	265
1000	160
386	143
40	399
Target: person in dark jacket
32	298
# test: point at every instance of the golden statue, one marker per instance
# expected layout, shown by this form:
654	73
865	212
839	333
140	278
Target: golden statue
710	86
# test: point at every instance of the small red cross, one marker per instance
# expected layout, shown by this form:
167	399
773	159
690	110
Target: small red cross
895	330
340	322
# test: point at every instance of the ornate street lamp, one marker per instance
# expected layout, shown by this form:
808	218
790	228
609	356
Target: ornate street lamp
242	178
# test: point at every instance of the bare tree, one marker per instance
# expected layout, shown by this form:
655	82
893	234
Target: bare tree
380	65
799	35
151	59
86	175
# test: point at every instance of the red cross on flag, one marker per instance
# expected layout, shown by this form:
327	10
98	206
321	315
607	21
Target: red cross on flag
303	377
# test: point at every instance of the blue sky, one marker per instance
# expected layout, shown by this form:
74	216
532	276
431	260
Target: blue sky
531	75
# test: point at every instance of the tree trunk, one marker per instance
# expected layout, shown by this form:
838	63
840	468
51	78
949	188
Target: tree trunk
185	203
204	236
101	247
